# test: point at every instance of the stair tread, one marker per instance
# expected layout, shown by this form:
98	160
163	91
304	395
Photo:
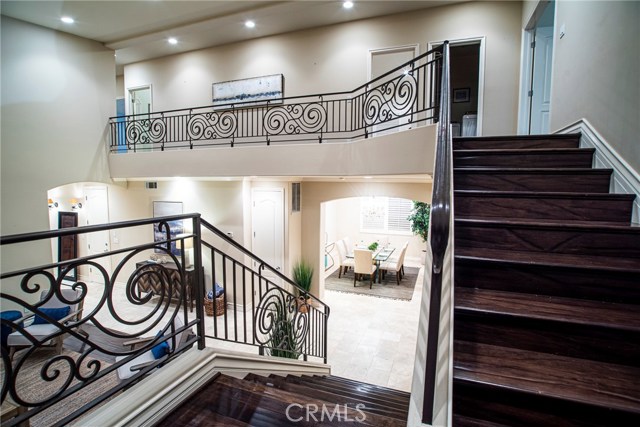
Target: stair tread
551	260
596	383
547	195
521	151
554	224
518	137
399	393
542	307
540	171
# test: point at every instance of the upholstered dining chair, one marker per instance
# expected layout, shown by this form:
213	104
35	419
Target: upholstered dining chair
345	263
43	330
159	351
363	264
395	265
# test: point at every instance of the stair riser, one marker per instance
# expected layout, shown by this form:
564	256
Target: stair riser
579	209
462	144
522	181
578	159
581	341
548	240
514	408
554	281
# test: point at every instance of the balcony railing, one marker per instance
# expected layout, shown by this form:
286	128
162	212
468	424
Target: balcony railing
403	97
93	355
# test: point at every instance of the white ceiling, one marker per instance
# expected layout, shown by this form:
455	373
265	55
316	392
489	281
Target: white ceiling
138	30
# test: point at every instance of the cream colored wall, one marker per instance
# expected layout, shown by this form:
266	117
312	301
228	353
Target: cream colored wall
595	72
57	94
342	219
528	9
120	86
334	58
314	194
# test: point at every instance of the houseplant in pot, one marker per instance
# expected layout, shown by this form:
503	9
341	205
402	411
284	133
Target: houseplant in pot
302	275
419	218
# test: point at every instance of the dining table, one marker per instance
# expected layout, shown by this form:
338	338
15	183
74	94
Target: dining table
379	256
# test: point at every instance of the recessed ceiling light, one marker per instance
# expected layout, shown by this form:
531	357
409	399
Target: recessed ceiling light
67	20
172	40
347	4
367	177
249	24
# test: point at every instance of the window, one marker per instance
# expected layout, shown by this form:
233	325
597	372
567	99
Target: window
385	215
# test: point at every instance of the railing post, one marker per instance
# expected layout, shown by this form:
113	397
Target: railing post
199	281
326	333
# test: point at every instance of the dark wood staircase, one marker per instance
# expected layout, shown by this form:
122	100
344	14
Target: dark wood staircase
547	287
291	401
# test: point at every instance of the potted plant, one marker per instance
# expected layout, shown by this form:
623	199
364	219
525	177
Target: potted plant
302	276
372	247
419	218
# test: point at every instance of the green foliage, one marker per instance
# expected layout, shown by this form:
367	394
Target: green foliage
419	218
282	335
302	275
372	247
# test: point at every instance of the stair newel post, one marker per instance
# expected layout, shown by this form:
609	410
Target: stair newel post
325	337
199	280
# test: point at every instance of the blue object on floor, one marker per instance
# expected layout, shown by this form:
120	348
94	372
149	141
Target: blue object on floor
10	315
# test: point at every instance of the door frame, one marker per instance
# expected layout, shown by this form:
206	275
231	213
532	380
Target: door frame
481	40
127	105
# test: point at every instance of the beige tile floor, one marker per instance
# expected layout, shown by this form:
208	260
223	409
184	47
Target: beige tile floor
370	339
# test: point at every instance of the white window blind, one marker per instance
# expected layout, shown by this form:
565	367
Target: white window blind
385	215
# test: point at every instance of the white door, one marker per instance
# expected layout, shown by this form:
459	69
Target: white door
97	212
140	103
267	223
541	81
382	61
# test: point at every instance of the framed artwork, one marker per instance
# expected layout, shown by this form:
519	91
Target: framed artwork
175	227
254	89
68	245
462	95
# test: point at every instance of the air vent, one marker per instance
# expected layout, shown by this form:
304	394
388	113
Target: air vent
295	197
151	185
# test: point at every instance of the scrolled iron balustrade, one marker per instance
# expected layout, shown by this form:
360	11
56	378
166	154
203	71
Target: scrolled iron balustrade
409	92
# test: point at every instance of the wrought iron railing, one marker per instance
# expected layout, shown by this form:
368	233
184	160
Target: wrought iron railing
440	224
111	309
401	98
263	307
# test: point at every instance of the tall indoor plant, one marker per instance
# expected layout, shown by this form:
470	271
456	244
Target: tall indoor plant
419	219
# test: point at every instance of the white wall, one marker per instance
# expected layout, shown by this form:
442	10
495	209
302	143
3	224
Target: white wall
57	94
334	58
595	71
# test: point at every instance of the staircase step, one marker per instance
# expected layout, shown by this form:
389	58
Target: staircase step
502	406
462	421
604	385
360	392
533	179
399	394
521	158
593	330
544	205
612	279
612	240
309	390
523	141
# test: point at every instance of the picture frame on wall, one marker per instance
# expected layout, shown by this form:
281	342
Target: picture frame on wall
252	91
160	209
461	95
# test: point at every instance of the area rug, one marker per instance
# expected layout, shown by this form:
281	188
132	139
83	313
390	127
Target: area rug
387	289
32	387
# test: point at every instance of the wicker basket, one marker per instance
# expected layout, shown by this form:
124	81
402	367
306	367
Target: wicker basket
219	303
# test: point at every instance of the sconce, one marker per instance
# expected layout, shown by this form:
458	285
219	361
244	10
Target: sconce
75	204
52	204
188	246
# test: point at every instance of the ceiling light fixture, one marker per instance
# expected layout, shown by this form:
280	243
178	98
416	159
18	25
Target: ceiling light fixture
172	40
67	20
249	24
347	4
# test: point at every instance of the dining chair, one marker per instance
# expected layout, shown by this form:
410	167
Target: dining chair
43	331
345	263
395	265
363	264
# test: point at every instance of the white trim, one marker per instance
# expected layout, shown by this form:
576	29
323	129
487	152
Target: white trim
625	180
153	398
127	104
481	66
524	103
414	46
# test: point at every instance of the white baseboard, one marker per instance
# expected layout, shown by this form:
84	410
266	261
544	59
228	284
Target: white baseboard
625	180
